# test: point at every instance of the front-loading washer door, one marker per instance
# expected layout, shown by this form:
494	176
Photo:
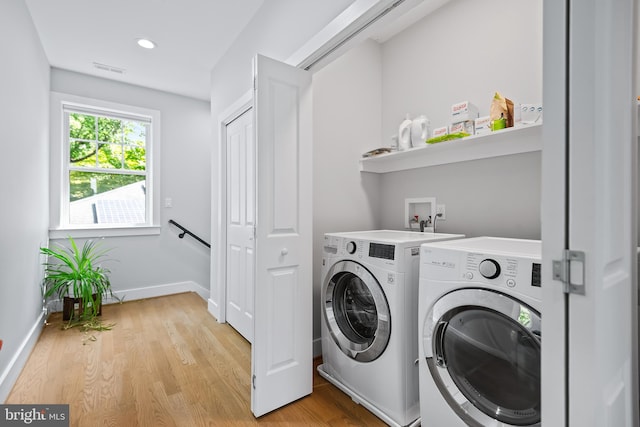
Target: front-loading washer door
356	311
483	351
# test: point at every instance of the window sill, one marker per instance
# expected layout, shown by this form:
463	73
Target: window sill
63	233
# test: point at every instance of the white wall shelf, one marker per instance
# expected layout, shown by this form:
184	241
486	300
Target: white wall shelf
505	142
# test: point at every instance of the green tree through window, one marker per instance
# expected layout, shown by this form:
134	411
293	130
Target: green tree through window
101	152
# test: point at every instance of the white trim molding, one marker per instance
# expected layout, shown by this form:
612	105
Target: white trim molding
9	376
158	291
154	291
218	296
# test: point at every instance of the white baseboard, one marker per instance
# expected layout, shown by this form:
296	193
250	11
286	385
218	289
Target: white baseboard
213	309
158	291
145	292
9	376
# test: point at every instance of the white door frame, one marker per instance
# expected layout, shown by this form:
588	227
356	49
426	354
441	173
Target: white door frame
218	298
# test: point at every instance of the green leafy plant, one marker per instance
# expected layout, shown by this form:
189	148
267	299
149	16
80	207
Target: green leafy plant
71	272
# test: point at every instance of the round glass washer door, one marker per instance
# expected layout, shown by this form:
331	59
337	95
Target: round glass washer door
356	311
483	351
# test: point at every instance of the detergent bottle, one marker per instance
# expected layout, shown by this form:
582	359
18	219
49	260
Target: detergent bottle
419	131
404	134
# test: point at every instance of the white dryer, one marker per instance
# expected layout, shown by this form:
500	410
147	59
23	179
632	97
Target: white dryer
369	319
480	332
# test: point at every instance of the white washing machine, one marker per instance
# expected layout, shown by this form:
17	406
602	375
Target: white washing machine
480	332
369	321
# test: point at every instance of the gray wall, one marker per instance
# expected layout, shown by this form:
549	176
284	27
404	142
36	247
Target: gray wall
185	176
24	85
423	70
346	117
492	197
466	51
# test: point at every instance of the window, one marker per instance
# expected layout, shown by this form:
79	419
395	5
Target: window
107	168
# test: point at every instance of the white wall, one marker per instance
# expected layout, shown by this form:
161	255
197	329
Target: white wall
185	176
24	85
346	118
466	50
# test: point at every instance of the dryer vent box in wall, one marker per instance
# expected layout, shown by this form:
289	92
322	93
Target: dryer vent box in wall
423	207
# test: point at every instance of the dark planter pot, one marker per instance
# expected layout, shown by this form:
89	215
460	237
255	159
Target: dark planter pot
70	311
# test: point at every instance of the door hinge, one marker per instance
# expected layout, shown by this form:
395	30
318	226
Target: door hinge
253	382
570	271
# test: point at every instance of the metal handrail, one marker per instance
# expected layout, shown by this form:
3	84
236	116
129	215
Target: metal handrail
185	231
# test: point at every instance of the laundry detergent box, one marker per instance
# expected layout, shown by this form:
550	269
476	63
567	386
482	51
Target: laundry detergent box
463	111
482	125
467	127
441	131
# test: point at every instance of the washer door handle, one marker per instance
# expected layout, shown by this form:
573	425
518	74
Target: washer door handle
438	343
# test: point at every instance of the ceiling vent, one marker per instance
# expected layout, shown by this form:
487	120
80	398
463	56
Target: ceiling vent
111	68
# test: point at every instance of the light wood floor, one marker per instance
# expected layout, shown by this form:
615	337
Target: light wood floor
167	362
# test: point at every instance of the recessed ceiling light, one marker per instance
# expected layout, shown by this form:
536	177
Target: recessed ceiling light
146	43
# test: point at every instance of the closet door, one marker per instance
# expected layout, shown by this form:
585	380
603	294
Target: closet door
589	207
282	354
240	223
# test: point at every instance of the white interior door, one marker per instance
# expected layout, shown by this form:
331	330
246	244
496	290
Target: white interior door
240	223
588	365
281	354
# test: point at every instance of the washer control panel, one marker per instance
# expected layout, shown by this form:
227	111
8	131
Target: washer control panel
359	249
505	265
477	267
506	270
377	253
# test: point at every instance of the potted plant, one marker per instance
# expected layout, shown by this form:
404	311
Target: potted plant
77	277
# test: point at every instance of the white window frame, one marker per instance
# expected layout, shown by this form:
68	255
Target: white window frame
59	168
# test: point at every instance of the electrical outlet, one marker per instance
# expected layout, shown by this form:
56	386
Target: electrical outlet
168	202
440	210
